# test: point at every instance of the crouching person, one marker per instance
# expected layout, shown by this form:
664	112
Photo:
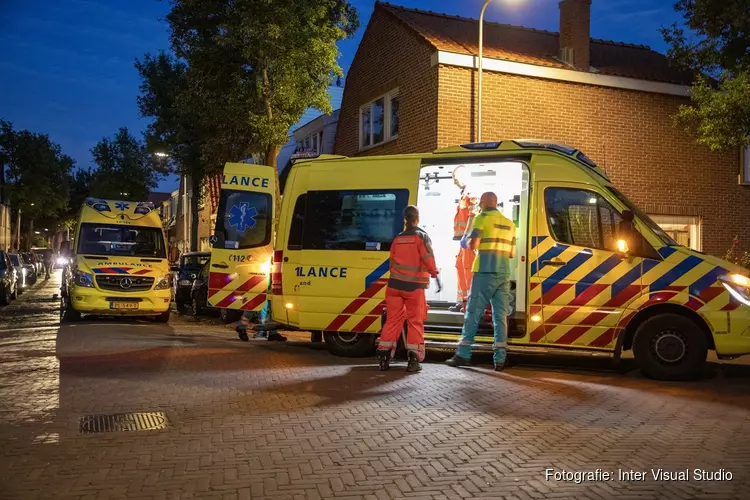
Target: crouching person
411	265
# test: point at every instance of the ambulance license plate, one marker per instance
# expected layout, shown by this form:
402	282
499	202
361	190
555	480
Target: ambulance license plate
123	305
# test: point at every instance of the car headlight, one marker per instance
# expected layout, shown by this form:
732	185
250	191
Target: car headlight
185	282
162	283
61	261
738	287
81	278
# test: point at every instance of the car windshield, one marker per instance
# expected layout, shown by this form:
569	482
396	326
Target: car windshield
125	241
663	236
194	262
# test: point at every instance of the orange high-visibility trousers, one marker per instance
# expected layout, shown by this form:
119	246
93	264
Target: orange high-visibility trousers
400	305
464	263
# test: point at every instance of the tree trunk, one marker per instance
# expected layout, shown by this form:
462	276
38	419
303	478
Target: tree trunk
195	192
18	230
31	235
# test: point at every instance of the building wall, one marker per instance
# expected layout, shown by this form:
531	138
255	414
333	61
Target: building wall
630	134
390	57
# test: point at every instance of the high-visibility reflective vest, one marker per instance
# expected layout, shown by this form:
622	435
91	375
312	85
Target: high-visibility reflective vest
464	215
497	242
412	261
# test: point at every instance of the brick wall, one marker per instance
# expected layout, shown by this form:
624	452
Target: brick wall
390	56
630	134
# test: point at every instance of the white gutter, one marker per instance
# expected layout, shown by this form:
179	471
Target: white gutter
564	75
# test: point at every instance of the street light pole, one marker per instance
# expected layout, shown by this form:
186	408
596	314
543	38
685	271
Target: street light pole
479	79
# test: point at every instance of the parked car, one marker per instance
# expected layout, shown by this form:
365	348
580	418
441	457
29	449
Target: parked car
39	255
8	280
183	275
199	290
30	259
22	281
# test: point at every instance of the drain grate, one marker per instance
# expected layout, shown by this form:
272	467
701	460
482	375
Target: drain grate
124	422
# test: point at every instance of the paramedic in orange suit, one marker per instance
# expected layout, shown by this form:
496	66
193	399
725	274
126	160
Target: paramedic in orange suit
411	266
465	258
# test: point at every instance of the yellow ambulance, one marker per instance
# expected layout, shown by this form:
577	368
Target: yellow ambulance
593	274
119	263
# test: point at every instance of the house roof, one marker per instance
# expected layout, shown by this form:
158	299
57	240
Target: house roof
156	197
526	45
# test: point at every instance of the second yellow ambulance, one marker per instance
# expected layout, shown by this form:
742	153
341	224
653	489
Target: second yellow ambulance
582	285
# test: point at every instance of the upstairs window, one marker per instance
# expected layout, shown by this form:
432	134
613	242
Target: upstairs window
379	120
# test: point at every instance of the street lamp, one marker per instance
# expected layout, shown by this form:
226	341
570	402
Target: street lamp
161	154
479	79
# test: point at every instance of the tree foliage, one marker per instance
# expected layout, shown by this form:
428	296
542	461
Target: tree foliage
259	65
37	172
714	42
125	168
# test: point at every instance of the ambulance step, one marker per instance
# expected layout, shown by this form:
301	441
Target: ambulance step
521	349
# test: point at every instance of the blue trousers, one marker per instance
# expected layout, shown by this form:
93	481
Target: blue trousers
493	289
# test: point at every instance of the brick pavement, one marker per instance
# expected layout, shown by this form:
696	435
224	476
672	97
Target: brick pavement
289	421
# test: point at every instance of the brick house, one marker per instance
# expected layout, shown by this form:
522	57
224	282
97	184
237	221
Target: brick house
412	84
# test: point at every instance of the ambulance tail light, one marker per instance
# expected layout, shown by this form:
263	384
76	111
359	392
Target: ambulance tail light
278	257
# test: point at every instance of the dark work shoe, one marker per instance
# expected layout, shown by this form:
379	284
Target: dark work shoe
384	360
413	366
458	361
499	366
242	332
456	308
276	336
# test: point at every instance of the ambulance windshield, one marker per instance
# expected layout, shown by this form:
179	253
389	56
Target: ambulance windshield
244	220
125	241
665	238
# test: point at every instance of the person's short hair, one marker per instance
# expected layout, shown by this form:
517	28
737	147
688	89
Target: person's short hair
411	213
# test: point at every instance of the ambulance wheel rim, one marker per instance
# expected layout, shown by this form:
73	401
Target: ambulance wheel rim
347	337
669	346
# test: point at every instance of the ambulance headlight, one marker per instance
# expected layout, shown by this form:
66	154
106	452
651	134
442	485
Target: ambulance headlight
738	287
83	279
266	267
162	283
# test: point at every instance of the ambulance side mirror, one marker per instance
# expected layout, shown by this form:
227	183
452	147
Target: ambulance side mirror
625	233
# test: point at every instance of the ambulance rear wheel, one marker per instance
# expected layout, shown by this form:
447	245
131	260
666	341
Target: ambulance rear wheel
350	345
670	347
230	315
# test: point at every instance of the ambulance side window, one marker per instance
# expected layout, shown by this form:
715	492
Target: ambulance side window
354	219
298	224
583	218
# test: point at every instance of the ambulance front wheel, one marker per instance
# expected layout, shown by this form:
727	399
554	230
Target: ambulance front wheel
670	347
350	345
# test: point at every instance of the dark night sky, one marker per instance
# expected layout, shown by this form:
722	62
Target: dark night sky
66	66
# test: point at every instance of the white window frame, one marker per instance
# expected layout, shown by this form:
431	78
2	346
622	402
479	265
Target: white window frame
695	227
744	177
387	136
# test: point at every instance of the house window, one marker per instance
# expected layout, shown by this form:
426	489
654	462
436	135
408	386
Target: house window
684	230
745	166
379	120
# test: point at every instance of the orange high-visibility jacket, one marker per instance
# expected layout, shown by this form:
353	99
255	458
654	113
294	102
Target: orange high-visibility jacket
412	261
463	216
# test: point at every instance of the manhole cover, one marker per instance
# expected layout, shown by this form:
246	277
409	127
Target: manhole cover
124	422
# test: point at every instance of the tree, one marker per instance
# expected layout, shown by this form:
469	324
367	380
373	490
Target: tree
126	170
718	52
258	66
37	175
176	126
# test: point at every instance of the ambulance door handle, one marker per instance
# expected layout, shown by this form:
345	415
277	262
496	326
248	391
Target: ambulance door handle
221	266
553	262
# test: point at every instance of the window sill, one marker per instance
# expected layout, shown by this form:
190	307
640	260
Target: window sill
373	146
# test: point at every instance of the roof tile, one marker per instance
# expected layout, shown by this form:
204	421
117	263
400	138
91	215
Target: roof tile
531	46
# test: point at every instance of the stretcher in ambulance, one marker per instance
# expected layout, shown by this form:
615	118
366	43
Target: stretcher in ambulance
592	274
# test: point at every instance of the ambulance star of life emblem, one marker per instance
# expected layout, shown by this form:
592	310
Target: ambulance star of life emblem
242	216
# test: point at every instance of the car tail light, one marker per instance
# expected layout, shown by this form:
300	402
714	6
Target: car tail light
278	257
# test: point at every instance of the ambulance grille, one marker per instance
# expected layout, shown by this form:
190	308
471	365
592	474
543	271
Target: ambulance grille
125	283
